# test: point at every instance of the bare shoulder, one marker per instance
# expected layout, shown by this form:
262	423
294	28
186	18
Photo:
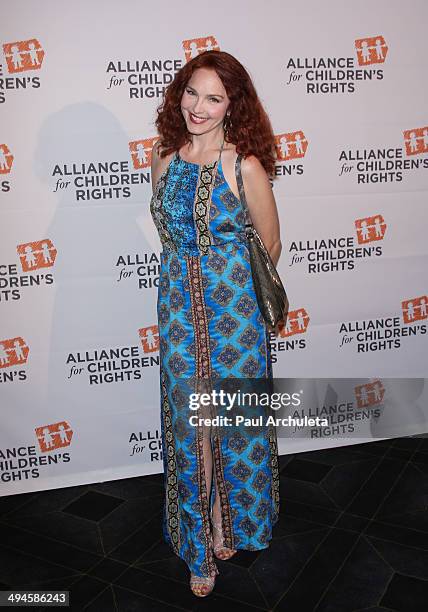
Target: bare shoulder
229	154
156	158
158	163
254	175
260	198
252	169
228	159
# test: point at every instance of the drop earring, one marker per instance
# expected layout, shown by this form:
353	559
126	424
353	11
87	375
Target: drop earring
227	124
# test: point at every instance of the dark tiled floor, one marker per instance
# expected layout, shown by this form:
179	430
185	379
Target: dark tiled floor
352	535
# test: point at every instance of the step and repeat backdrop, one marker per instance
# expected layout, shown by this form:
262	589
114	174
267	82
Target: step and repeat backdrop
346	90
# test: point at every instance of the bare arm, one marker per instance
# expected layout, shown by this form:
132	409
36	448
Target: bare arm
157	165
262	205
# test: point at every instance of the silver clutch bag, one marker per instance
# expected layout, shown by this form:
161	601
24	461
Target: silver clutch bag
270	293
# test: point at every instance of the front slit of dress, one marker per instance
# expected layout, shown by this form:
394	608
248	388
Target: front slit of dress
201	208
202	372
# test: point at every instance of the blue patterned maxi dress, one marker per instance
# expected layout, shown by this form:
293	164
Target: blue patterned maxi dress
209	326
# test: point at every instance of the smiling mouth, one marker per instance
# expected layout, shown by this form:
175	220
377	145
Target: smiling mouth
195	119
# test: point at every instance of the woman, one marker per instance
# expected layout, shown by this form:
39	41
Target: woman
210	325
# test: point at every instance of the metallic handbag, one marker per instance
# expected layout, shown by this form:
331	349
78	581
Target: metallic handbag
271	296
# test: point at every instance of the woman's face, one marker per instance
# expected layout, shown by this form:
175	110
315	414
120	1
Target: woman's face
204	102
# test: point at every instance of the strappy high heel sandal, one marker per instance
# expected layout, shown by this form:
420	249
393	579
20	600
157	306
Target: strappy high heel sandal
201	586
221	552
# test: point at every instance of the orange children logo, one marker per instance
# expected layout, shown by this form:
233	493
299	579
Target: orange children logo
141	152
36	255
297	323
196	46
6	159
371	50
415	309
13	351
290	146
416	140
23	55
149	337
56	435
369	394
370	229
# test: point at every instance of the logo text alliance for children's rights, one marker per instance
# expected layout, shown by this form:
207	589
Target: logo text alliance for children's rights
386	165
340	253
116	364
148	78
339	75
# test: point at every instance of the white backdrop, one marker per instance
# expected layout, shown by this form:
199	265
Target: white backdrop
345	86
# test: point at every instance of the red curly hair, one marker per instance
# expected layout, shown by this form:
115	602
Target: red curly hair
250	128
